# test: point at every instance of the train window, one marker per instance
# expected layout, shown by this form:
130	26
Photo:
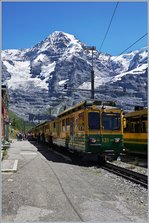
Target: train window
144	127
81	122
135	126
58	128
71	126
132	127
63	122
60	125
144	123
111	121
94	120
63	125
67	122
54	127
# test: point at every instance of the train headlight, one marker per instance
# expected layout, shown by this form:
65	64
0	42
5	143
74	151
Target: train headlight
92	140
117	140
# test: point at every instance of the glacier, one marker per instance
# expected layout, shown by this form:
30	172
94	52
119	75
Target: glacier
36	76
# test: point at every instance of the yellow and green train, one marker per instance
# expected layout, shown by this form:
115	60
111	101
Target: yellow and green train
135	132
91	127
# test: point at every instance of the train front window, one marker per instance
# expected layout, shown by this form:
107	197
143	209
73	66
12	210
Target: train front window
94	120
111	121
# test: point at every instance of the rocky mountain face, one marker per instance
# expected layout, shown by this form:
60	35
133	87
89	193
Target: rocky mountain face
36	77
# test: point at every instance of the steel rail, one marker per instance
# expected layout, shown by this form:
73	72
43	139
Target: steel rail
133	176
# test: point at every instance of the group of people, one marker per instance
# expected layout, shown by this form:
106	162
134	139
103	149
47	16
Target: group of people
37	137
24	136
21	136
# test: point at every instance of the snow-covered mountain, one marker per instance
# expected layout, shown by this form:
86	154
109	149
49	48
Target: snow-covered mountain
36	76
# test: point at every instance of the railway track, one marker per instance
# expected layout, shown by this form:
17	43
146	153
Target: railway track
133	176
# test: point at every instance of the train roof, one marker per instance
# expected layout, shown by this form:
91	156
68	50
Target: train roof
86	104
136	113
79	106
38	125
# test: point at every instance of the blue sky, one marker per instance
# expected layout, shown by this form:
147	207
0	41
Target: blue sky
25	24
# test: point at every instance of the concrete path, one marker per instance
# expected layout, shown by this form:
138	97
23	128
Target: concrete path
47	187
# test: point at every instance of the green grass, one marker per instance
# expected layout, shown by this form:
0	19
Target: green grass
18	125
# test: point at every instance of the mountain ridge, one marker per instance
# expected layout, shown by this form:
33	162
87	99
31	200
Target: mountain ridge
36	76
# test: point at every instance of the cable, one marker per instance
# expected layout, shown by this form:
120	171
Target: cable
128	48
109	26
132	45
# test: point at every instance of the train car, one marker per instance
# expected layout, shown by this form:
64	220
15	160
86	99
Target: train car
91	127
135	132
40	132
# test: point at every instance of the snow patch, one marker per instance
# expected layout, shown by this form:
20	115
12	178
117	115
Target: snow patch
46	70
136	71
21	76
62	82
40	57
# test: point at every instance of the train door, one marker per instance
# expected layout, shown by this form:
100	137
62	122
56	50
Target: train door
94	131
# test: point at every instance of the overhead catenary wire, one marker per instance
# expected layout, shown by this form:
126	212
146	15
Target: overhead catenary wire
132	45
109	26
126	50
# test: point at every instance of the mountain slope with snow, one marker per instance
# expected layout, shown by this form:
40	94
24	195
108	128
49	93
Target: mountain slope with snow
36	76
